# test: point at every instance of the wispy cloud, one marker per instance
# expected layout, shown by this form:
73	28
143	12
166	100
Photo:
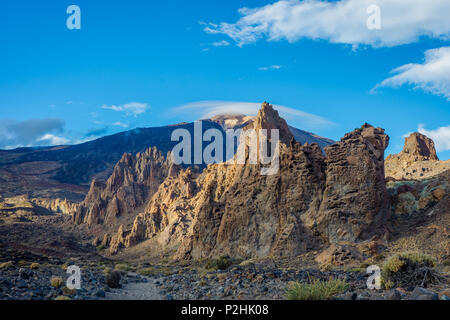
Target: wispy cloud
432	76
273	67
132	108
344	22
222	43
120	124
52	140
208	109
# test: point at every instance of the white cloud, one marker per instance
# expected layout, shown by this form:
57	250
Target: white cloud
345	22
222	43
440	136
132	108
432	76
120	124
208	109
84	140
29	132
273	67
51	139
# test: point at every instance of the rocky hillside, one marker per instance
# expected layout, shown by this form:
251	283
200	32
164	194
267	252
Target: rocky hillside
313	200
417	160
134	180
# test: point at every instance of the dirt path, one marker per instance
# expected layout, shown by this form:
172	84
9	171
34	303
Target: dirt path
136	291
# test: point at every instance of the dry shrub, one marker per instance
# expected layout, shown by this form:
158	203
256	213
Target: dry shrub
410	269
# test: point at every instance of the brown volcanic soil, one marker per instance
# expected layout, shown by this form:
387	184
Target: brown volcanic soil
34	179
45	235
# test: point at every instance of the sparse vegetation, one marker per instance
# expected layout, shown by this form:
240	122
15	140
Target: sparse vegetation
113	279
316	290
107	271
123	267
35	266
221	263
221	276
56	282
446	263
409	269
326	267
6	265
247	262
387	284
69	292
146	271
62	298
22	263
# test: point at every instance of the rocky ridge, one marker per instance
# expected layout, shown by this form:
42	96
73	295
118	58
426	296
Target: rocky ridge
231	209
133	181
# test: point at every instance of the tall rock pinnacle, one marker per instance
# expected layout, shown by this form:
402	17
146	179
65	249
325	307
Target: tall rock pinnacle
268	118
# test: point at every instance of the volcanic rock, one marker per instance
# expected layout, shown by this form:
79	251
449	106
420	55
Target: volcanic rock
417	160
355	200
232	209
133	181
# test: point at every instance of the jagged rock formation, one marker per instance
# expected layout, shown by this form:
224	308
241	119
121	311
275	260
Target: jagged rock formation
417	160
355	200
231	209
419	147
134	180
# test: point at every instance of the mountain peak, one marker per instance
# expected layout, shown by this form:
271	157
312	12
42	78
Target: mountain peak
268	118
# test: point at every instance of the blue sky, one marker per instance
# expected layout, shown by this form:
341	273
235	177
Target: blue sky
134	63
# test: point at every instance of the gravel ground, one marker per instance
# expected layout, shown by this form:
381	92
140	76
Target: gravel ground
22	280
